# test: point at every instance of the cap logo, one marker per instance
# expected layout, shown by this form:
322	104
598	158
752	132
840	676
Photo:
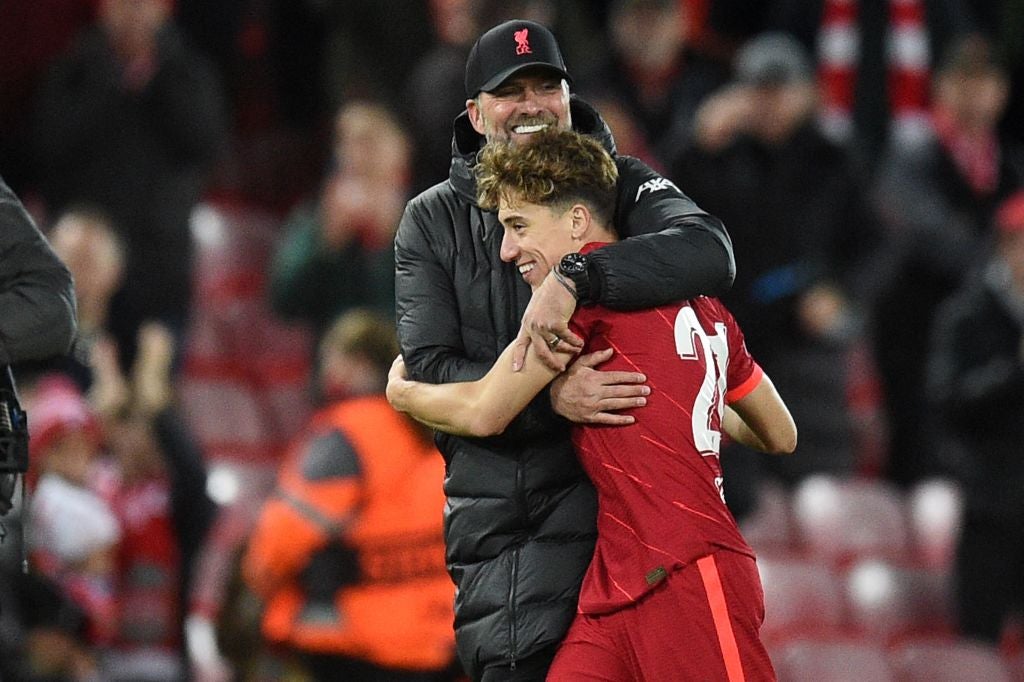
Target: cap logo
522	41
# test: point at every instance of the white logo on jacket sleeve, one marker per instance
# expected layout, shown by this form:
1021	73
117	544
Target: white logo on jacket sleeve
654	185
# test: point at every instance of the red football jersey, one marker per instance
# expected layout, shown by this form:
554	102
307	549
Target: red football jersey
661	503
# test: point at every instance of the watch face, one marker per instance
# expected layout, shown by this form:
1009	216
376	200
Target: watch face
574	263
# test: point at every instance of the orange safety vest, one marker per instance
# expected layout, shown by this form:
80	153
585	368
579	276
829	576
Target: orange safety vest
388	508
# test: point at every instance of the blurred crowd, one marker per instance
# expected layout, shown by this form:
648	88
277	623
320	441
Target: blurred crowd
224	180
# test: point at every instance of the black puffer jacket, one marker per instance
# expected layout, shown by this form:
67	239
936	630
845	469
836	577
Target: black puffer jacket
37	297
520	516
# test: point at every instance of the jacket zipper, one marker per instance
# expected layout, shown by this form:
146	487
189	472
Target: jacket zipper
512	643
514	578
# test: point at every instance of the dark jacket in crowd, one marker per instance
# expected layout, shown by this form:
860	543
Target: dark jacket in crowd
141	156
976	387
520	524
976	380
937	228
803	220
37	297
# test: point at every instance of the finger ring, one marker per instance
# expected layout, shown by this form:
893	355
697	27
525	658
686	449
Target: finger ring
553	342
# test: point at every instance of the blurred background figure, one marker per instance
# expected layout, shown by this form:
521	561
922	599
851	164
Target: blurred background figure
157	483
148	123
73	533
157	488
651	69
337	250
976	385
936	199
433	91
84	238
801	232
347	552
873	60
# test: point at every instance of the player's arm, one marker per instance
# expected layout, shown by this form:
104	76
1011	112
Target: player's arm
670	249
484	407
761	420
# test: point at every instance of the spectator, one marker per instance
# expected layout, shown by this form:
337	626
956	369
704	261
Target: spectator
85	240
348	552
520	506
159	496
337	252
433	92
73	532
874	60
802	233
654	72
976	384
941	191
149	121
369	46
160	457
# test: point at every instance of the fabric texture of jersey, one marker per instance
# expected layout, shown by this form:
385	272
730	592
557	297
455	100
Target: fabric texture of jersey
661	503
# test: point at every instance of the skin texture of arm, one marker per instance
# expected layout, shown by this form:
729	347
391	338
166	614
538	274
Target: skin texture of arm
475	408
760	420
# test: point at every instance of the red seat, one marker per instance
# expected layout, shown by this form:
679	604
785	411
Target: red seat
935	513
844	519
801	597
815	660
769	527
889	601
948	661
245	376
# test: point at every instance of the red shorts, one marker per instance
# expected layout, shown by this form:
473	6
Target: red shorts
701	623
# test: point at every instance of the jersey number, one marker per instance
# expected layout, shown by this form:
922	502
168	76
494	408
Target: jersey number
693	343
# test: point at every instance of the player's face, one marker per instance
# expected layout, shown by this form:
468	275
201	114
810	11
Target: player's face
524	104
535	238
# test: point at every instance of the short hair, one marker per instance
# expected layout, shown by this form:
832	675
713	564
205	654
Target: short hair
557	169
364	333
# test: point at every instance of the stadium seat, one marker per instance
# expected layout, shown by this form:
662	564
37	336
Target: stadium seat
245	376
844	660
802	598
948	661
844	519
769	527
935	512
887	601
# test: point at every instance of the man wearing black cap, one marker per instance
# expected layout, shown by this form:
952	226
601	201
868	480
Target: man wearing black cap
520	516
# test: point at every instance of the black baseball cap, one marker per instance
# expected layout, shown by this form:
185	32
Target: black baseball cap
507	48
773	59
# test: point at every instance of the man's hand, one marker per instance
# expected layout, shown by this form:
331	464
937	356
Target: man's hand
546	326
397	377
587	395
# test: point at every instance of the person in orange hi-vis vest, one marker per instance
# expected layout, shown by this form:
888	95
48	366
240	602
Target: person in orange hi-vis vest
348	552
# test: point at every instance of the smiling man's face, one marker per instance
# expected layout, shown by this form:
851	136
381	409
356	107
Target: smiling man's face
535	238
525	103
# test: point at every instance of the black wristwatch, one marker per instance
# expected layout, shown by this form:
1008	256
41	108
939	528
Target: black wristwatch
574	266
